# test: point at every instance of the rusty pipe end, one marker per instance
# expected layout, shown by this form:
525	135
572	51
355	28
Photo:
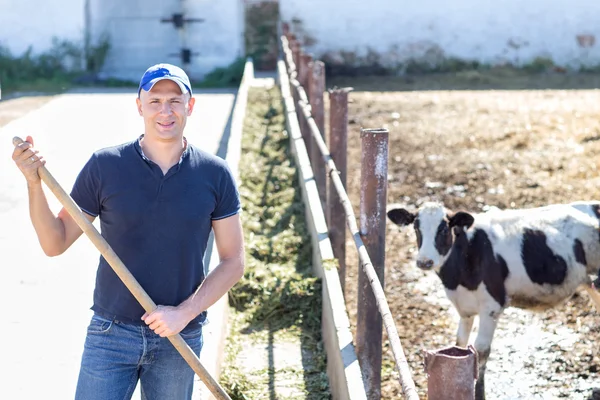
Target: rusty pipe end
336	90
374	131
451	370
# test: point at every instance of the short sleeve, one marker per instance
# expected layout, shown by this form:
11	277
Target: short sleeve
87	188
228	198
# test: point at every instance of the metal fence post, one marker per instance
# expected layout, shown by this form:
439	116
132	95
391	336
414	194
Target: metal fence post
373	200
295	47
305	60
290	37
304	72
451	370
338	147
317	90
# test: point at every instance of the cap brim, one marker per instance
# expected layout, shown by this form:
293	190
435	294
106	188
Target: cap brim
148	86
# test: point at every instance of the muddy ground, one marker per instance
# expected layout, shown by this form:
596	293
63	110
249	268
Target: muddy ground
471	148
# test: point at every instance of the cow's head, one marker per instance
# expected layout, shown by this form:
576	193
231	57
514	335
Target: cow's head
436	228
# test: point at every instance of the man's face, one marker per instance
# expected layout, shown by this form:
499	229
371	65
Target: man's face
165	110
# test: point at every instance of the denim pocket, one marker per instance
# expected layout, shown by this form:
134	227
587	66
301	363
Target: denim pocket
191	332
99	325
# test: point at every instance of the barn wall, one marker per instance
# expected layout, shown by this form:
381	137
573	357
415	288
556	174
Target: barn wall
494	32
139	38
25	23
390	32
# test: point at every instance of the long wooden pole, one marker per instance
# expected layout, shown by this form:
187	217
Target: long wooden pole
123	273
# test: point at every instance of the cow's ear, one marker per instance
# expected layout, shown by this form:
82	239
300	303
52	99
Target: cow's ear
400	216
461	218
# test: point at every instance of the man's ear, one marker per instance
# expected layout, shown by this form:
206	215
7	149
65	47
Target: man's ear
138	102
400	216
191	103
461	218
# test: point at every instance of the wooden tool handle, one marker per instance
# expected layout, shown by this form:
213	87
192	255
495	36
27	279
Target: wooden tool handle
123	273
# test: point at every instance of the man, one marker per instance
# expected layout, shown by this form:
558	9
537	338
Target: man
157	198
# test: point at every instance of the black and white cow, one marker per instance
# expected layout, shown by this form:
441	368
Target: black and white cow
529	258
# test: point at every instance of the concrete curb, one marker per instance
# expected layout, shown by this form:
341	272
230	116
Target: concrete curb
215	333
343	370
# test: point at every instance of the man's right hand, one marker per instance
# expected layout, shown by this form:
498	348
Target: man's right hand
28	161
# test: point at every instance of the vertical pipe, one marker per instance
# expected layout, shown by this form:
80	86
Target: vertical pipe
295	47
87	39
296	96
295	50
285	28
305	60
373	199
317	89
183	34
338	147
451	370
303	77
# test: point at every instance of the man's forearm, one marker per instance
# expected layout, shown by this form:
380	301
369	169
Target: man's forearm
49	229
217	283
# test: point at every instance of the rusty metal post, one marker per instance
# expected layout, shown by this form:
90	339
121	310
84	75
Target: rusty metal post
295	47
451	370
285	31
303	74
299	65
295	50
304	70
373	200
338	147
317	91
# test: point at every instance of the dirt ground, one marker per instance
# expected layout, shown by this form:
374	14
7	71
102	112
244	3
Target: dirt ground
472	149
14	108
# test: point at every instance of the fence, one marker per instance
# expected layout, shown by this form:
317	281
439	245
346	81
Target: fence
373	310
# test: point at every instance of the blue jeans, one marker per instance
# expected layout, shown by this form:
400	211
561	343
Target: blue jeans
116	355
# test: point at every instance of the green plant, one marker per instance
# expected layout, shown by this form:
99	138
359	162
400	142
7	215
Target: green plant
224	76
446	65
538	65
95	55
52	70
261	34
56	66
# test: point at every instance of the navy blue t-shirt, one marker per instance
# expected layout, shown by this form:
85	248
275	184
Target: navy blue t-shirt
157	224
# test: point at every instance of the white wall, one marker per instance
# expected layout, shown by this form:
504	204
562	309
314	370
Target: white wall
220	39
139	39
396	30
470	29
25	23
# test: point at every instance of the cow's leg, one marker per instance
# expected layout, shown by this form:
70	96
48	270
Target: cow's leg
483	345
594	294
464	330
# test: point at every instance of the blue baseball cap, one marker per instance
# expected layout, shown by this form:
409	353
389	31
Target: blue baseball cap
159	72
